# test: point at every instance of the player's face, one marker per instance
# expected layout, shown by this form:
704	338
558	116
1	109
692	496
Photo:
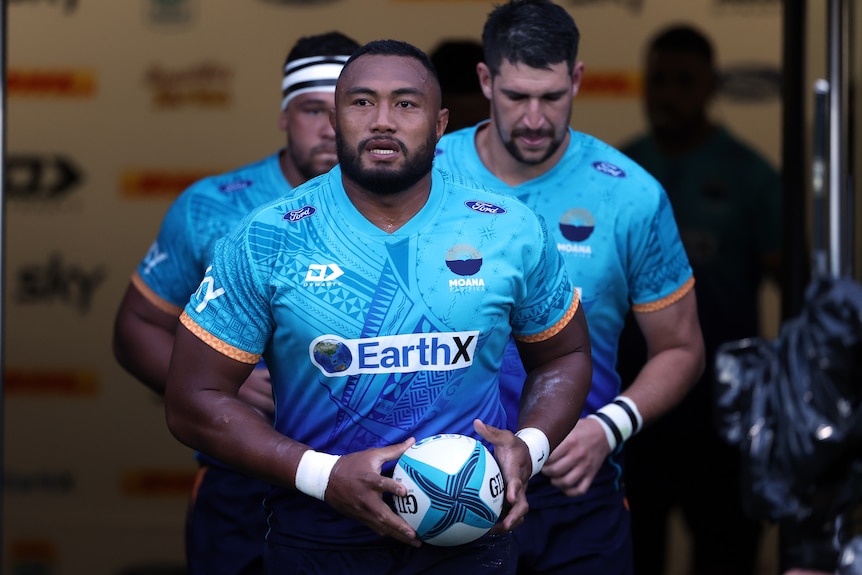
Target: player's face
387	122
531	107
310	138
679	87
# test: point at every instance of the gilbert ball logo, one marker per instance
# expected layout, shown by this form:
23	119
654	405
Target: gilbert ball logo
577	224
464	260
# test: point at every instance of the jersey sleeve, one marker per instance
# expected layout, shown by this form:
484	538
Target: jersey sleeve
660	270
229	311
549	301
172	268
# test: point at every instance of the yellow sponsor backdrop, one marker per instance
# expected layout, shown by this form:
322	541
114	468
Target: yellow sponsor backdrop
113	107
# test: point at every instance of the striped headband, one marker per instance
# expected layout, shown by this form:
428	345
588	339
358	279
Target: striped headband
314	74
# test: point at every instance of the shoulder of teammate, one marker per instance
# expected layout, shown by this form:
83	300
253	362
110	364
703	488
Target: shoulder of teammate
271	217
481	199
452	146
186	222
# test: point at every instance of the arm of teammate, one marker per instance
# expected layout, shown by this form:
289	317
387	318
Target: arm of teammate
675	362
203	411
143	341
559	375
143	338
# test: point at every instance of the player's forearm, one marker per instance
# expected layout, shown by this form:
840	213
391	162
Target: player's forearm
554	395
204	412
666	378
231	431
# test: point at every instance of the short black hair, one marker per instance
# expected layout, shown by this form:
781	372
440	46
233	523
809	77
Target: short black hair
537	33
456	61
683	38
393	48
326	44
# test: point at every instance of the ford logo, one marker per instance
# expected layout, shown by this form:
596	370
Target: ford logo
301	213
484	207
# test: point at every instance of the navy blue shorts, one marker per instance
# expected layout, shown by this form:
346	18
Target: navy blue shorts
587	535
488	555
226	524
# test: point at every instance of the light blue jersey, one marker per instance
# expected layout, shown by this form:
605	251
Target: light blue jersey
614	227
205	211
371	337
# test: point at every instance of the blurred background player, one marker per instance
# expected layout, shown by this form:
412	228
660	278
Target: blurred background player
349	289
727	203
226	522
456	62
614	227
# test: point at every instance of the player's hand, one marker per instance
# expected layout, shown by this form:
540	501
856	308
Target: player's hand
256	391
356	490
573	465
513	457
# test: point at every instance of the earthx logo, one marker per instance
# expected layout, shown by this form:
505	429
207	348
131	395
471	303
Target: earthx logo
337	357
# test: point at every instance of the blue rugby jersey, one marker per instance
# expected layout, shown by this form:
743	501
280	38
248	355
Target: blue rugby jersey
612	224
373	337
205	211
614	227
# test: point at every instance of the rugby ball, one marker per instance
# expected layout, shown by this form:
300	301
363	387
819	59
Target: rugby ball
454	486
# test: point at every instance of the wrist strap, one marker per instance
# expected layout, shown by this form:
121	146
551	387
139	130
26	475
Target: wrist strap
620	419
538	444
313	471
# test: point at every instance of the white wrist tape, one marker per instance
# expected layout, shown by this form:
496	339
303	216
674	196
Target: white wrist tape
538	444
312	473
620	419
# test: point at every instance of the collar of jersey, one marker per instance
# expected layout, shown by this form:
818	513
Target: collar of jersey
341	202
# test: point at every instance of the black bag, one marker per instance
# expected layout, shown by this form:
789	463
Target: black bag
792	406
